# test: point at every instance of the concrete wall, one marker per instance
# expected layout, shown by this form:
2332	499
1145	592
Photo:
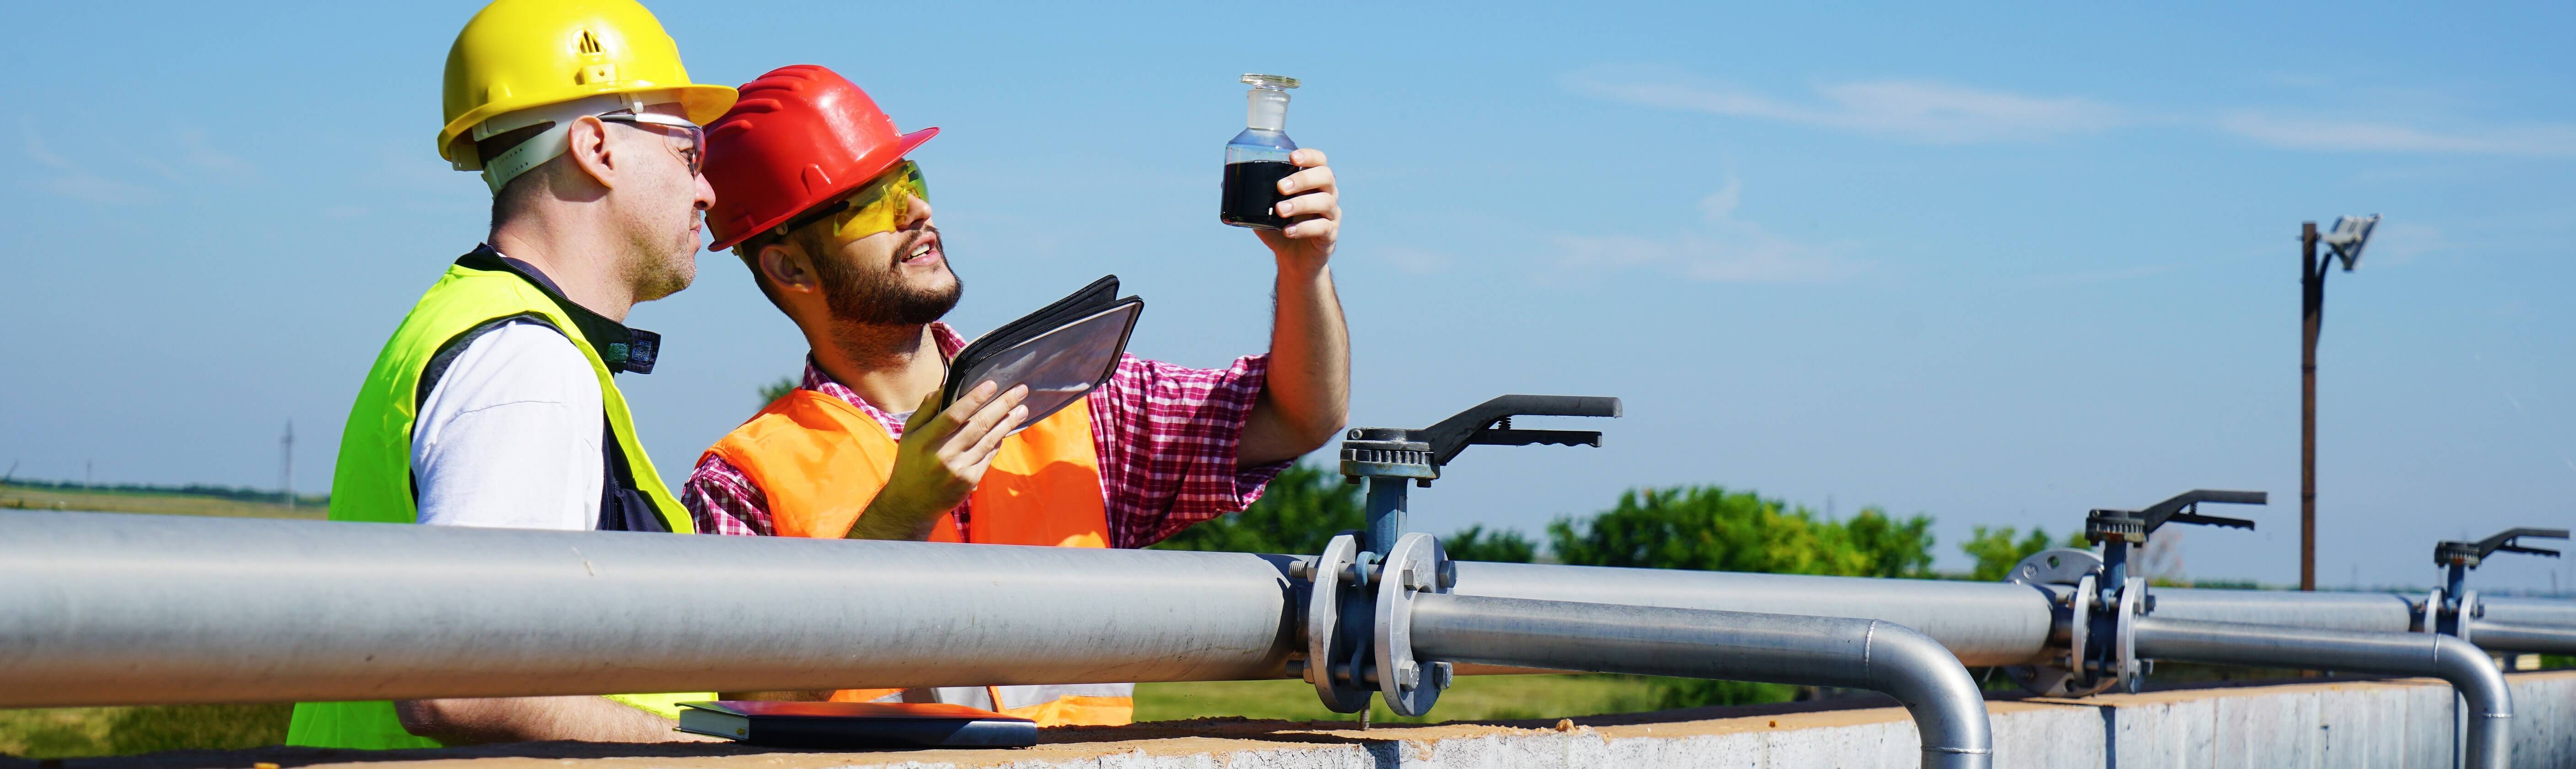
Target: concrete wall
2343	724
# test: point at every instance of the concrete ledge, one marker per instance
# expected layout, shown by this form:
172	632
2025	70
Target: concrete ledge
2338	723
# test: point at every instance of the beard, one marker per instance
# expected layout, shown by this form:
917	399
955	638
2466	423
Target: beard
875	294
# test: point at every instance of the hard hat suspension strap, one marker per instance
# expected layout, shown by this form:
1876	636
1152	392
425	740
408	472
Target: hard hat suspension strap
499	169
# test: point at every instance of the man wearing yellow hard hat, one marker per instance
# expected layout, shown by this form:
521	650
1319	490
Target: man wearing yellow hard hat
494	403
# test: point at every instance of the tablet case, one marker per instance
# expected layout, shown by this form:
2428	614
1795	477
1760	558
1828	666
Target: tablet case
852	725
1062	351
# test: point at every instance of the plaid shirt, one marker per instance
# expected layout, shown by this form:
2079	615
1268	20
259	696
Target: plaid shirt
1166	438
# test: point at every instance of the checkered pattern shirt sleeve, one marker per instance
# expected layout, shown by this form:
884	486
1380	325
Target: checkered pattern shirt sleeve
1167	437
723	501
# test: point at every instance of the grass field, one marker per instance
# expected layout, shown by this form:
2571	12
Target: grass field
1474	698
14	497
82	732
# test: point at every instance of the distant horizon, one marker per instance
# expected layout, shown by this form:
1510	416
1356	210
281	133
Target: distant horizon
1993	266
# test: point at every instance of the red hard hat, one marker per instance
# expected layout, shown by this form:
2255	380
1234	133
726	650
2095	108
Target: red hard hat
799	137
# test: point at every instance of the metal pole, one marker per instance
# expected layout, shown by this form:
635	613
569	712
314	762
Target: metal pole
1983	623
1386	501
2485	743
104	609
2312	300
1949	712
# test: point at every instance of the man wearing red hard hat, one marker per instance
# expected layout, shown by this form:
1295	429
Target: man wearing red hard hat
814	193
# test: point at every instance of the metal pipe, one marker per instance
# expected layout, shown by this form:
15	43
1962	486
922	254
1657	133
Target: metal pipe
2485	743
2361	612
2558	612
1949	711
1982	623
2507	637
104	609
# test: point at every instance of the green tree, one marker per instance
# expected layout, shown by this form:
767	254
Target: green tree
1306	505
1888	547
1302	509
1711	528
776	390
1996	550
1476	543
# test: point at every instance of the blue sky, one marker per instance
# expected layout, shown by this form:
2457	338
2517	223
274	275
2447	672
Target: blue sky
1997	265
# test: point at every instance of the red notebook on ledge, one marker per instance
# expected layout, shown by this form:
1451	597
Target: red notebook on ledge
830	725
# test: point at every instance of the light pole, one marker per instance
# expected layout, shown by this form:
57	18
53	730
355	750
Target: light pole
2344	242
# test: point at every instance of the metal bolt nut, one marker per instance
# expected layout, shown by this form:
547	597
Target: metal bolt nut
1416	579
1408	676
1297	669
1302	569
1442	675
1448	577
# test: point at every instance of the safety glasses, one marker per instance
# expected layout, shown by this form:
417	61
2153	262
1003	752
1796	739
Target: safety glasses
877	207
696	153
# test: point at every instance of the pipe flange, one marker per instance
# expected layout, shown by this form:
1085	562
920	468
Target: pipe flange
2124	646
1323	626
2070	568
2431	620
2460	617
1413	568
2058	566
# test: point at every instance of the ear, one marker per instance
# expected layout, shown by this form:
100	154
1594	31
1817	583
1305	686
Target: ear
588	146
789	268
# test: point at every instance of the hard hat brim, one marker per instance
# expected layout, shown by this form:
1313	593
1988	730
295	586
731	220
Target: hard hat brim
901	148
701	103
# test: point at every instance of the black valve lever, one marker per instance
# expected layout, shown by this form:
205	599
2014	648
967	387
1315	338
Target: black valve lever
1390	458
1507	437
2468	554
1478	425
2133	526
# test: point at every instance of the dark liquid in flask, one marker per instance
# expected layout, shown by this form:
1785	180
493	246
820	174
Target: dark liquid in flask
1252	191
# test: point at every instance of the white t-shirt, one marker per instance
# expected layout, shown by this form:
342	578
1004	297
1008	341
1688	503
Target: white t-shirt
509	436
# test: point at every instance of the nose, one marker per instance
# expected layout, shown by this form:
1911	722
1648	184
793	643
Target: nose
706	193
915	213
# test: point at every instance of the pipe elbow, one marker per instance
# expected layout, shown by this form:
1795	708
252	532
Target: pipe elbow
2469	670
1949	710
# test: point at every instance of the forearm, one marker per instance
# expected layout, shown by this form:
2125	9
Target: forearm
531	719
1306	397
892	519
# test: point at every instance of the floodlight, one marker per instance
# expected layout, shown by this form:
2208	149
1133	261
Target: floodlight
2349	235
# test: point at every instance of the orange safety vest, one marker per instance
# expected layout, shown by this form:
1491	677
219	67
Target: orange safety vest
819	461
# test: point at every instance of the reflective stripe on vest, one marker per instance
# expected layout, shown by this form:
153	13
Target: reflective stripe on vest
819	461
372	481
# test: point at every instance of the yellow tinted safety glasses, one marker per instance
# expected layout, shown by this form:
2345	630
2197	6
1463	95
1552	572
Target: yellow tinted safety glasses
872	209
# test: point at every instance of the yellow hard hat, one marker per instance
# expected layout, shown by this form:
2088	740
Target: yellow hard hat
519	54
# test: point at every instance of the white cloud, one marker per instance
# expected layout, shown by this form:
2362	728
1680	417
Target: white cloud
70	180
1913	110
203	156
2305	133
1934	112
1719	248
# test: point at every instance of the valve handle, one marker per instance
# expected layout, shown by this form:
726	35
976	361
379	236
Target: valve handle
1478	425
2506	541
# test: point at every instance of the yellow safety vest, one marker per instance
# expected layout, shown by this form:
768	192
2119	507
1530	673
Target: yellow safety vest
373	480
